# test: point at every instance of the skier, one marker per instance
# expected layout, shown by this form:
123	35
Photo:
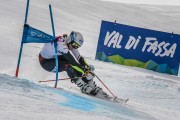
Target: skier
70	60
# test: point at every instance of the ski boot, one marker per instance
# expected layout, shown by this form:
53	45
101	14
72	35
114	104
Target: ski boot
85	87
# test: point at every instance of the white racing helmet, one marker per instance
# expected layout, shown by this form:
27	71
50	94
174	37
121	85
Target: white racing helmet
75	39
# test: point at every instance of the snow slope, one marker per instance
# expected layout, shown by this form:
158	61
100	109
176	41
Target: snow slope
153	96
152	2
22	99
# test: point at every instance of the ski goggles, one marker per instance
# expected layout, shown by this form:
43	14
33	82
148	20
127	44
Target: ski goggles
74	44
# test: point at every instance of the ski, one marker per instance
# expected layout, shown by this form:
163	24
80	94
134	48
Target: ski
113	99
120	100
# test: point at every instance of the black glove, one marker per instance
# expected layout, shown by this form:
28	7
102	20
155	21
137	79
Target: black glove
90	67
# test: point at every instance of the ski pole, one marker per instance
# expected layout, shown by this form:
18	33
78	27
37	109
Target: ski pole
105	86
60	79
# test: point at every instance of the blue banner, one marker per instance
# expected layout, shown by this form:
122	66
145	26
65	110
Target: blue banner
32	35
133	46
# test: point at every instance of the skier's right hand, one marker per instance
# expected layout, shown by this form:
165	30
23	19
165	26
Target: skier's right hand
90	67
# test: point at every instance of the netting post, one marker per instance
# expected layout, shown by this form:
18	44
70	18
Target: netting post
21	47
55	45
